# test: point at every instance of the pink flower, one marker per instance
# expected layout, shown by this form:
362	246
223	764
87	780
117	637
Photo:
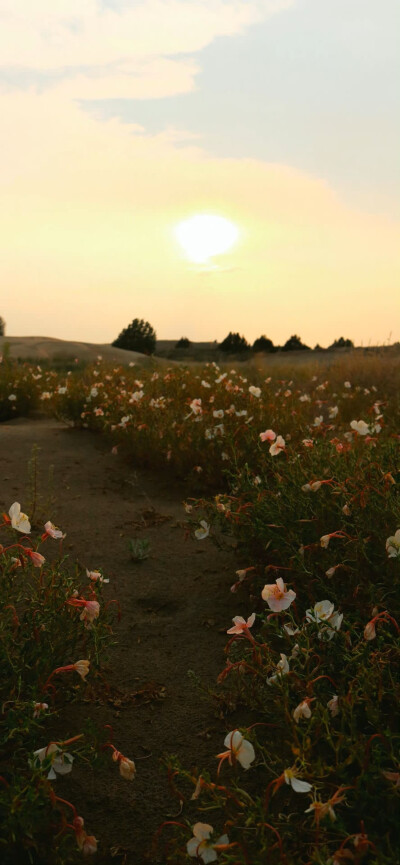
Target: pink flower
96	576
36	559
277	446
38	708
268	436
86	843
277	597
82	667
52	531
241	625
127	767
90	611
195	405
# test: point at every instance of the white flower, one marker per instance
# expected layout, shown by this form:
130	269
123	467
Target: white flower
313	487
333	705
218	413
296	784
255	391
137	396
333	411
19	520
61	762
282	669
393	545
203	532
12	397
240	749
360	427
324	541
200	846
302	710
318	420
325	613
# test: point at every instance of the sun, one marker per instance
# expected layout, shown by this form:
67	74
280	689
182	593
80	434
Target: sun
205	235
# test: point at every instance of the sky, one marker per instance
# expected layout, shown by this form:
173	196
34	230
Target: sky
119	120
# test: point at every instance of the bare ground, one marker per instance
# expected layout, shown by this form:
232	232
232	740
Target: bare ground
176	607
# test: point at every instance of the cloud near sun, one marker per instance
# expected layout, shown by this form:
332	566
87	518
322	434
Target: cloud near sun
89	207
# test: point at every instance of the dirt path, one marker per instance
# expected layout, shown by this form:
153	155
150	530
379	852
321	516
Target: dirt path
174	607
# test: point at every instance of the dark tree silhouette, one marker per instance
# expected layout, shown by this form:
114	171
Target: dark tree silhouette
341	343
138	336
295	344
2	326
263	344
183	342
234	344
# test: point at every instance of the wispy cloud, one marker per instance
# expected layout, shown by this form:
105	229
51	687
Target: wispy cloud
128	50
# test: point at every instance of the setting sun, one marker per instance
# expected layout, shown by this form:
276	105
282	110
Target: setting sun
205	235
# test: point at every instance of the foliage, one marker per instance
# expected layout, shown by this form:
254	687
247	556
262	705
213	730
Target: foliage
138	336
295	344
234	344
2	326
341	343
263	344
183	342
139	549
53	632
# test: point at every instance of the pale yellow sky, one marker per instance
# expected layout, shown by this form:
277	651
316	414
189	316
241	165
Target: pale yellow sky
89	206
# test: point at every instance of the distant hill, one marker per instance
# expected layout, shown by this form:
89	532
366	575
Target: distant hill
39	348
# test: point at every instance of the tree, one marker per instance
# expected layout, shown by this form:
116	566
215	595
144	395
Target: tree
2	326
263	344
138	336
183	342
295	344
234	344
341	343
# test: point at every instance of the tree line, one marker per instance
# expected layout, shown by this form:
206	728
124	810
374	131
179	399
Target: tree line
141	336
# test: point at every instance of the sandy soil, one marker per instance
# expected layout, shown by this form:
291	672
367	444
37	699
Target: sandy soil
176	607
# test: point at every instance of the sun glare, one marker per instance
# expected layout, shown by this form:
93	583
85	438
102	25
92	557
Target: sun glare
204	236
